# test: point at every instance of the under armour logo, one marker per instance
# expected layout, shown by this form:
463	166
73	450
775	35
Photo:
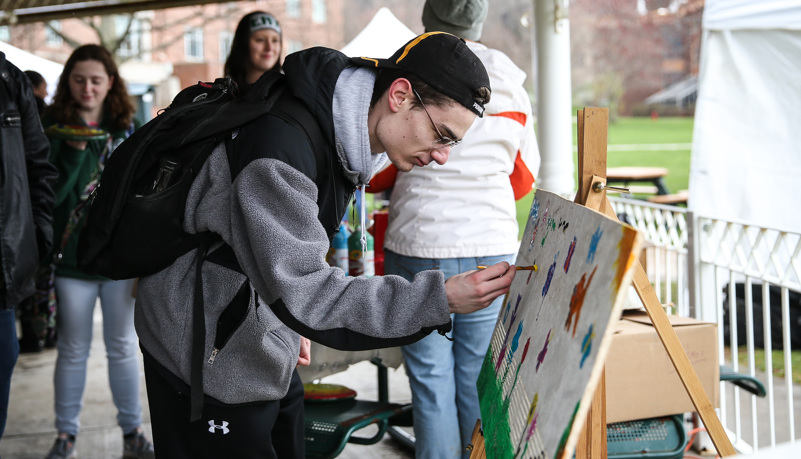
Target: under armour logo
223	427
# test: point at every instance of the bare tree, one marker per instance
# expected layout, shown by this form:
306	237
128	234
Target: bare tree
616	54
113	37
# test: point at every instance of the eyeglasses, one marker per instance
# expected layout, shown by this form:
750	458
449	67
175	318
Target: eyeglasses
443	140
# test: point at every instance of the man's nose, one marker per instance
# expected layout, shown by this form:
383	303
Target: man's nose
440	155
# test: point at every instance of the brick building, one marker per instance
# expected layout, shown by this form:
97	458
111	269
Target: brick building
169	49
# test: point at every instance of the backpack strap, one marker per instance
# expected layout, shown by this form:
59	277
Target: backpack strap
198	337
293	111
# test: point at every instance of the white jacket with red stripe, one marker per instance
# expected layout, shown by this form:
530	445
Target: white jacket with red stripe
466	207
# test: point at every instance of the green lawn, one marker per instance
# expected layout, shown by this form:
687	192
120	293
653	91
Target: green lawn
639	131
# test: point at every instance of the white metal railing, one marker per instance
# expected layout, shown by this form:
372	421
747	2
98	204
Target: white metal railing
730	273
665	253
733	260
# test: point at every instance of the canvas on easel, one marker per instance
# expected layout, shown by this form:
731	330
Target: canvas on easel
548	346
590	411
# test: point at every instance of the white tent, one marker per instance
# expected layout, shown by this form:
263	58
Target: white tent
746	156
50	70
381	37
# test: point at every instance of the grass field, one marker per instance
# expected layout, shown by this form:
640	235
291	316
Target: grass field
641	131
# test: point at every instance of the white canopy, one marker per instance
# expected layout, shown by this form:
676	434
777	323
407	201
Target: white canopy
49	70
381	37
746	158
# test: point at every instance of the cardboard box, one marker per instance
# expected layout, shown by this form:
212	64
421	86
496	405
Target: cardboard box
641	381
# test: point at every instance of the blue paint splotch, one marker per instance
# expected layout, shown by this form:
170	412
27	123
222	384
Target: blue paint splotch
586	345
512	350
535	211
549	278
533	217
547	285
570	251
542	218
541	355
596	238
508	331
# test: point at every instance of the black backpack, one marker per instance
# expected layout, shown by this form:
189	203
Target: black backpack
130	234
127	234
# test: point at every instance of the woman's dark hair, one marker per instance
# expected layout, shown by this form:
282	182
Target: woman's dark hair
35	77
430	96
117	106
239	57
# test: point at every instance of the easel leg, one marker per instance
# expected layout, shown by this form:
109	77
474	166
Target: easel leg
477	443
678	357
592	442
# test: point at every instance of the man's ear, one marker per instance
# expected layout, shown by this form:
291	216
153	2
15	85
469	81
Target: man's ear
398	92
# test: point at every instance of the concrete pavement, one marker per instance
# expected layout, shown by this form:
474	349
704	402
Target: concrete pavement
30	431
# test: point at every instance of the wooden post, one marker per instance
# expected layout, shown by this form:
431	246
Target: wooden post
592	138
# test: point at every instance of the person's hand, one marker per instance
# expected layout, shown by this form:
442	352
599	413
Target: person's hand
77	144
304	359
474	290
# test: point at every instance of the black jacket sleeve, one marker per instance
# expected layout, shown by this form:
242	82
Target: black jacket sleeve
41	173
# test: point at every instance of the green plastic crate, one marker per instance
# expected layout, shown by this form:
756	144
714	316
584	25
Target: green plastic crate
655	438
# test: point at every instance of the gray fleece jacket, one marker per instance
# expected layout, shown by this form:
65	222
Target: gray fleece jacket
268	215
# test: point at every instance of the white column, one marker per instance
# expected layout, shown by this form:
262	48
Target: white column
554	114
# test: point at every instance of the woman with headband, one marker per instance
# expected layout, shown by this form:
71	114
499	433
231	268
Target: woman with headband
256	48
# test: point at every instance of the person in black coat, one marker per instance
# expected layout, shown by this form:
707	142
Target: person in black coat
26	204
39	89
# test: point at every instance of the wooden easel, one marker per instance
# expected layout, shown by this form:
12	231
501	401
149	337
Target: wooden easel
592	142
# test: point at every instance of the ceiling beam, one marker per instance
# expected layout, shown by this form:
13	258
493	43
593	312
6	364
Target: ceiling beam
27	11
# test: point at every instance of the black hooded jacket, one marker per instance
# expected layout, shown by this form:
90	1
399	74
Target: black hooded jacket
26	180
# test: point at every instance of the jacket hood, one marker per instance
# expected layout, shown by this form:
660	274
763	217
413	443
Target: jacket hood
312	75
338	95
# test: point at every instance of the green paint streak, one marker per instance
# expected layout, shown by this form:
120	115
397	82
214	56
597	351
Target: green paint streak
494	412
566	433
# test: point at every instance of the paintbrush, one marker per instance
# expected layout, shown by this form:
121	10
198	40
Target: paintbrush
518	268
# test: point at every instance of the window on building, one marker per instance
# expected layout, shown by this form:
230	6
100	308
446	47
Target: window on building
132	44
5	33
319	13
226	39
293	8
193	44
51	37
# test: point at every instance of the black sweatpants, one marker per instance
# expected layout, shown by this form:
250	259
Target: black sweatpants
269	430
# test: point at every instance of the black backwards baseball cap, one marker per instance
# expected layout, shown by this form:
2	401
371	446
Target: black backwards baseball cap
444	62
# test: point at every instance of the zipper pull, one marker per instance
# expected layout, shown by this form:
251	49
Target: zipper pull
92	195
213	355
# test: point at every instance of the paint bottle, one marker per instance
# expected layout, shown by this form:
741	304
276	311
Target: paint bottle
361	263
338	253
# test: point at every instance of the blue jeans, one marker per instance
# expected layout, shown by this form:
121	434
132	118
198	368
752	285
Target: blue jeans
442	373
76	303
9	351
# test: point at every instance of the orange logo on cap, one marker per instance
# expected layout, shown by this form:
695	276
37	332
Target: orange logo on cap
415	42
372	60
